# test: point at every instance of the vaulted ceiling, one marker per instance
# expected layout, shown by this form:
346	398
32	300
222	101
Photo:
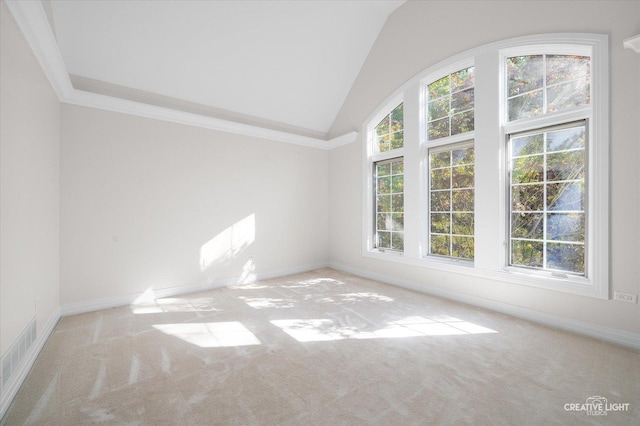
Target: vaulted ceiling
285	65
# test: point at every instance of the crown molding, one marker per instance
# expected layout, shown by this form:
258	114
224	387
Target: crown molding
32	21
632	43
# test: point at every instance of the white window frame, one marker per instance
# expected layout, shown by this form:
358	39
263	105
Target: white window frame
490	132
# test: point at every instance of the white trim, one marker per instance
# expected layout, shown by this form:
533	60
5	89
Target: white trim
620	337
19	375
130	299
632	43
32	21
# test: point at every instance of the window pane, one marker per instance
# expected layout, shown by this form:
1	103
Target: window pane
527	169
524	74
564	79
440	245
440	201
548	222
565	196
438	129
440	178
462	79
440	223
462	247
527	198
526	253
438	109
439	88
565	257
527	105
389	132
389	216
451	234
562	68
461	123
565	226
450	105
527	225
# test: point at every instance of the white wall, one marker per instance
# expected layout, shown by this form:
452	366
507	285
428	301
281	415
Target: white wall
29	188
420	34
140	198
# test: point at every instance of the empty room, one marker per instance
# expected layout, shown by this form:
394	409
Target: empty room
319	212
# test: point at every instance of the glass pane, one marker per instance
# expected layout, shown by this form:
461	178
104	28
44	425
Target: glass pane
439	88
397	202
462	176
440	159
440	245
568	95
382	129
527	197
566	257
462	156
527	225
440	201
565	165
565	196
462	223
383	221
397	242
384	185
438	129
383	203
526	145
564	68
384	143
462	247
440	223
461	123
383	169
526	253
398	221
528	105
462	79
566	139
397	118
384	239
565	226
397	184
440	178
527	169
397	140
462	200
524	74
438	108
397	167
462	101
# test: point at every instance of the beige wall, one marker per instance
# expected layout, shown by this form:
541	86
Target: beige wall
420	34
141	197
29	188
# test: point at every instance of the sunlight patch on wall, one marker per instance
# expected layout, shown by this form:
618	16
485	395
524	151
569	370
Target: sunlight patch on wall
318	330
228	243
211	334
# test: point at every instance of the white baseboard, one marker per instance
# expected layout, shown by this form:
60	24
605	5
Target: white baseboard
18	375
621	337
112	302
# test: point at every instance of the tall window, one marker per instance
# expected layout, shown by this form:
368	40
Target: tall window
450	117
547	163
389	182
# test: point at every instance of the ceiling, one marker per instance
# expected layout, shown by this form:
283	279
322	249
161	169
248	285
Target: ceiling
272	63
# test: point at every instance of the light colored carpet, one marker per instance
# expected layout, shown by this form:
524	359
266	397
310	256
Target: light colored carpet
320	348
